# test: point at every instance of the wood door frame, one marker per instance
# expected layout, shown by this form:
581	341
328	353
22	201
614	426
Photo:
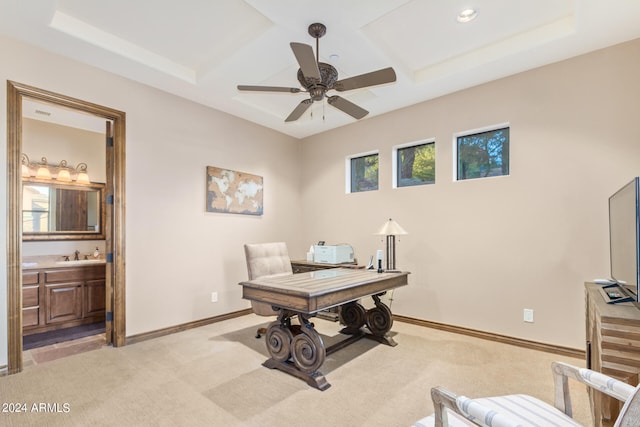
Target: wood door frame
115	221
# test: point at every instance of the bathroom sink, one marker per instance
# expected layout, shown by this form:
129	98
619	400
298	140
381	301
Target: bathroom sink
81	262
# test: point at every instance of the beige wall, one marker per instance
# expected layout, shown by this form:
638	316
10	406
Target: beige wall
481	251
57	143
176	253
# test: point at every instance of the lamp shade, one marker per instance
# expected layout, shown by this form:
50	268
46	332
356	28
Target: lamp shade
43	173
83	178
64	175
391	228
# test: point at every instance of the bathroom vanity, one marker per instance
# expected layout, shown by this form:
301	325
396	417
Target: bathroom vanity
60	295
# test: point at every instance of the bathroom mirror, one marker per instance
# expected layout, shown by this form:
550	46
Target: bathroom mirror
62	211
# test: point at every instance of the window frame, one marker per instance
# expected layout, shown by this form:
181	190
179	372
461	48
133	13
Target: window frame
394	160
348	160
472	132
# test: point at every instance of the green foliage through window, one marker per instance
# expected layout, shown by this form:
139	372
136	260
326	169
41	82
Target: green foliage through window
364	173
483	154
416	165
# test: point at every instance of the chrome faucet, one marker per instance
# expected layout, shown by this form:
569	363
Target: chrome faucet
75	258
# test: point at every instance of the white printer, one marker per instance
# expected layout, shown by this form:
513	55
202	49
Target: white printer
333	254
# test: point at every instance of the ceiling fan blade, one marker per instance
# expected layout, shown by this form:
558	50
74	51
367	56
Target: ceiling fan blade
347	106
269	88
299	110
306	60
385	75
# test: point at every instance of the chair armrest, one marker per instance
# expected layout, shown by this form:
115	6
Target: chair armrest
596	380
443	399
472	411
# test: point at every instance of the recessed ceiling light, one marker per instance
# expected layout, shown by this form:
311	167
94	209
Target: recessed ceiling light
467	15
334	57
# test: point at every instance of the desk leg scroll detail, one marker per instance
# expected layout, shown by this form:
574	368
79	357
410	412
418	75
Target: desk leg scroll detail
296	349
379	321
278	339
352	316
379	318
307	350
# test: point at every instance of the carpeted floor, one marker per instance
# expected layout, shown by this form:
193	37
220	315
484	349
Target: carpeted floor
30	342
213	376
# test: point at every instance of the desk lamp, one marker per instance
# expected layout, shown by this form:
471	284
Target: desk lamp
391	229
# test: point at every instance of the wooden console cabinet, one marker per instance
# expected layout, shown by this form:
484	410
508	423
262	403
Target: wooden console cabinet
55	298
613	348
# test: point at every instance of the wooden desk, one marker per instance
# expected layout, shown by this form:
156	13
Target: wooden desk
301	266
299	349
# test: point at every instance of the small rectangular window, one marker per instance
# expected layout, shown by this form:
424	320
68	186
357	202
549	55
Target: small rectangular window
416	165
483	154
364	173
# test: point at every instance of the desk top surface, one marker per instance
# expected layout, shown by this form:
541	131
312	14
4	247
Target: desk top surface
316	283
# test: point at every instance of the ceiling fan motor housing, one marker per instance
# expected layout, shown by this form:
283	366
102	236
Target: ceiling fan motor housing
322	77
317	89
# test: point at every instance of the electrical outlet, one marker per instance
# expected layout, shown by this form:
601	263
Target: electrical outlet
528	315
214	297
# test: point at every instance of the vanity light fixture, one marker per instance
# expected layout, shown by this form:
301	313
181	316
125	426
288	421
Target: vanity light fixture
43	170
83	176
61	172
467	15
26	172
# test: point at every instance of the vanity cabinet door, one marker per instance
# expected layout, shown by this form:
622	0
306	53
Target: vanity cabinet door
63	302
30	306
94	298
56	298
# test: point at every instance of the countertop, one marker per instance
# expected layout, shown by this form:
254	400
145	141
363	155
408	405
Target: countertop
57	261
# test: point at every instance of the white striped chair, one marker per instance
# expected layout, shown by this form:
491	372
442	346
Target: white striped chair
520	410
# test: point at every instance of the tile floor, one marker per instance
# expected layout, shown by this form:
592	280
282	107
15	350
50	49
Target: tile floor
57	351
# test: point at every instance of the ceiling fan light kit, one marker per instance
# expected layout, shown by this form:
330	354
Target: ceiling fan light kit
317	78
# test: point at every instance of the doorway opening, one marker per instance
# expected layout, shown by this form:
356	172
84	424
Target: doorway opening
113	292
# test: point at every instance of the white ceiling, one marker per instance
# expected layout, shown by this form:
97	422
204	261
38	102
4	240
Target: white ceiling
202	49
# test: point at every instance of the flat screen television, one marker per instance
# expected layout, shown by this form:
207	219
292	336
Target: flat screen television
624	241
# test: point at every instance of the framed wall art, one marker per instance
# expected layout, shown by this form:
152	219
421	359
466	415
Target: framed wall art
235	192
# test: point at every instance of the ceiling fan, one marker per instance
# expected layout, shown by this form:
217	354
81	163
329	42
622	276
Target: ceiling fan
317	78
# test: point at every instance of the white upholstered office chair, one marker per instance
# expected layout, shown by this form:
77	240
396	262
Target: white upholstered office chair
266	259
521	410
